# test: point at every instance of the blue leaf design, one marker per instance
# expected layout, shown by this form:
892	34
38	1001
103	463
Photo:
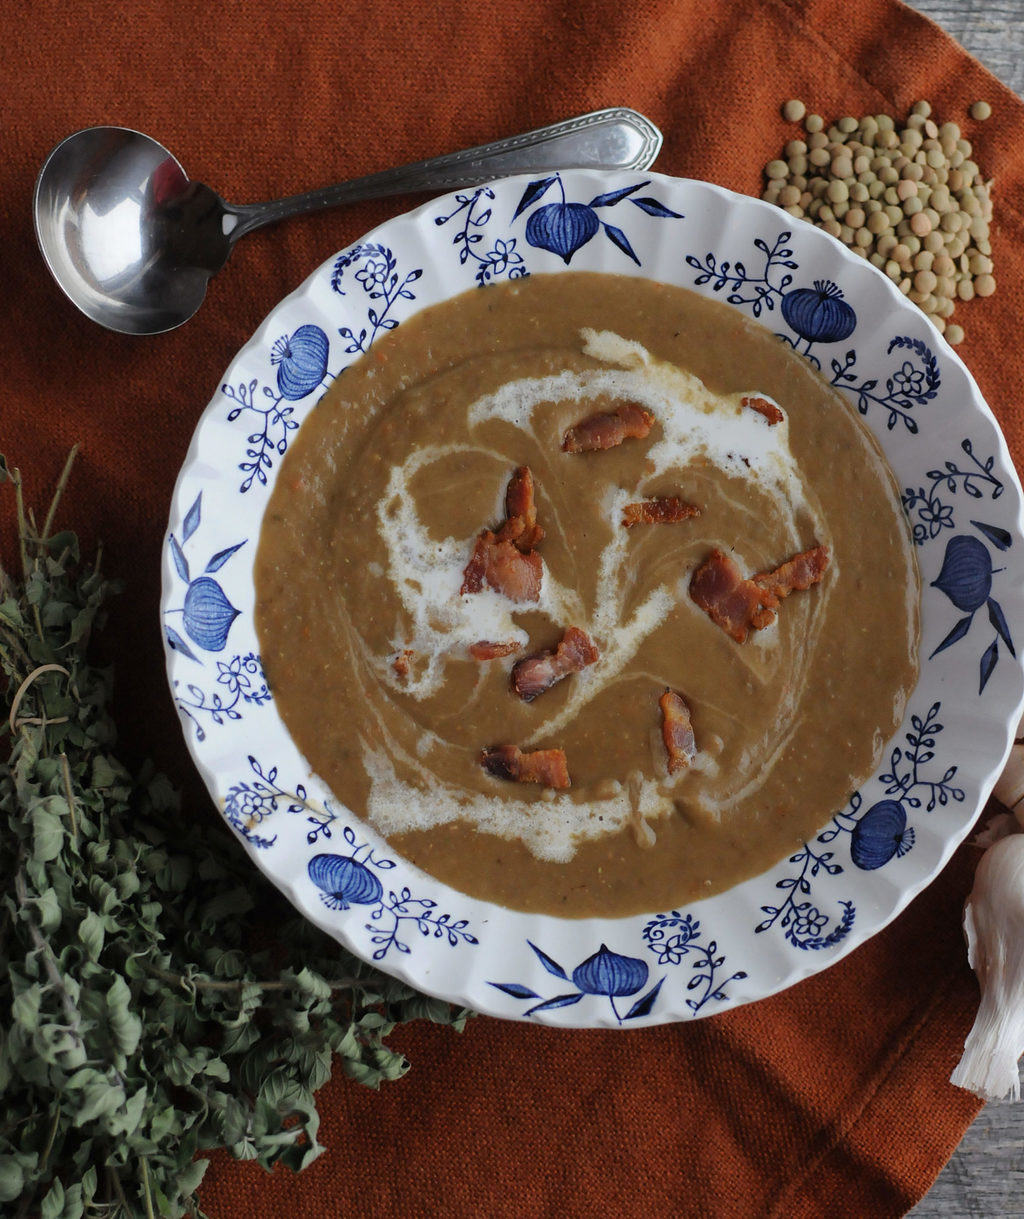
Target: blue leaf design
222	556
642	1007
533	192
958	632
998	620
613	196
551	965
988	663
515	990
618	238
558	1001
1000	538
653	208
192	519
180	562
175	641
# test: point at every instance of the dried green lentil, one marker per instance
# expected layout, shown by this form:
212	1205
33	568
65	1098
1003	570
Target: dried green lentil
981	111
906	196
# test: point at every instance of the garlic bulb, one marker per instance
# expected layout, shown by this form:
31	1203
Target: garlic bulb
994	924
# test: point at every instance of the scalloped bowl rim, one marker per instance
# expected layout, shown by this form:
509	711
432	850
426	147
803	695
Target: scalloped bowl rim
457	972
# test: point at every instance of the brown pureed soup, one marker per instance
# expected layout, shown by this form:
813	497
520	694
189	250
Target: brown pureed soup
366	636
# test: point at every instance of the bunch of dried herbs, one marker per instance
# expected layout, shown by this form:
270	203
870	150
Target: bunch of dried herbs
138	1027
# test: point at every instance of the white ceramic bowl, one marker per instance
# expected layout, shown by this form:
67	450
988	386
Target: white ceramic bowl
960	492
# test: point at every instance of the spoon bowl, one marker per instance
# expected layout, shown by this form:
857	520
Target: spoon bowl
127	236
132	241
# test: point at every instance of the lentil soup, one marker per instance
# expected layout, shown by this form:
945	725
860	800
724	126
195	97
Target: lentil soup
393	670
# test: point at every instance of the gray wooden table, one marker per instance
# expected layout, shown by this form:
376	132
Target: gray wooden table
985	1177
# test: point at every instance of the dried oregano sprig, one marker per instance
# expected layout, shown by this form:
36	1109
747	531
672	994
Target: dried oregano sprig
138	1029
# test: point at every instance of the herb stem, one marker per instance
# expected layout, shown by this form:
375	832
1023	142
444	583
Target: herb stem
19	501
69	795
145	1188
46	952
49	1142
62	483
227	987
23	690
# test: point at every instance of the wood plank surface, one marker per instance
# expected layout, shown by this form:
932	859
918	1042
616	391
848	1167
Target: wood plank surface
985	1177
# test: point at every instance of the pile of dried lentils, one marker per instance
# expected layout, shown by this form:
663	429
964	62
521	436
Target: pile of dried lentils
908	198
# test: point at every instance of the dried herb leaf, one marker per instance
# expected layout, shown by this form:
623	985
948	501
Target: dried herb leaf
146	1019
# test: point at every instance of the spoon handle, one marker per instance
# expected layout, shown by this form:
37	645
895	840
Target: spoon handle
618	138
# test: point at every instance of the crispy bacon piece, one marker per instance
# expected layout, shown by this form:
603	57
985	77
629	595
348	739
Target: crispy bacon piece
738	605
534	674
401	663
763	407
484	649
629	421
545	766
677	731
520	524
496	562
799	573
665	510
730	601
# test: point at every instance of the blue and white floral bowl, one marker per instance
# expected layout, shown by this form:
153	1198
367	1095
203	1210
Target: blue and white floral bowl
960	492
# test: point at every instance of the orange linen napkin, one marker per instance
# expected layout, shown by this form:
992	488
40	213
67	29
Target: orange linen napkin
829	1100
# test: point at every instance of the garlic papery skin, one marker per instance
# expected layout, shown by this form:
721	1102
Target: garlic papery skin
994	925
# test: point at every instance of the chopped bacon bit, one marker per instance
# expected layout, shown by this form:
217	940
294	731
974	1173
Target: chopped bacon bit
799	573
507	570
473	573
677	731
521	512
629	421
545	766
738	605
486	650
729	600
534	674
401	663
763	407
665	510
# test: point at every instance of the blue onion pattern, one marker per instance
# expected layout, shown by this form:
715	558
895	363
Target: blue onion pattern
301	362
349	880
564	227
966	579
608	973
966	575
819	314
344	882
879	835
208	614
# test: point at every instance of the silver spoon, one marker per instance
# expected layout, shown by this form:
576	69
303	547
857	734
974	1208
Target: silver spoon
133	242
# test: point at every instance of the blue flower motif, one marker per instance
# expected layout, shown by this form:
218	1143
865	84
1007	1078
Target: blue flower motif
373	274
504	256
808	921
909	380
